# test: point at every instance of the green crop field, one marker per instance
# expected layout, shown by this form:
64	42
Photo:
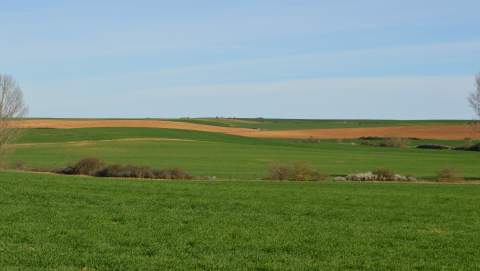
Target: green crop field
53	222
238	222
292	124
228	157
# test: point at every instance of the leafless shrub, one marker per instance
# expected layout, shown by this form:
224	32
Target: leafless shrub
448	175
87	166
389	142
299	171
302	171
141	172
95	167
173	174
278	172
127	171
384	174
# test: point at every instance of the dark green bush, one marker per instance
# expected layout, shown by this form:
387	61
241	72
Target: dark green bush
474	147
434	147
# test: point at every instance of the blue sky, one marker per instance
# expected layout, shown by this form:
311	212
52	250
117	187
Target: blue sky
290	59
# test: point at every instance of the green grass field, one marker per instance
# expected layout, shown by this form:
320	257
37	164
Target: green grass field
53	222
292	124
228	157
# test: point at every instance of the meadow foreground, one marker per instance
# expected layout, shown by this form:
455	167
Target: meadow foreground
79	223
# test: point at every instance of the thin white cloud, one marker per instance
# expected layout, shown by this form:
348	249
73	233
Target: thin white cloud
394	60
35	35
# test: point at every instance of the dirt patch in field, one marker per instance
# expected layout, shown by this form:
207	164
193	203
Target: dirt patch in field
453	132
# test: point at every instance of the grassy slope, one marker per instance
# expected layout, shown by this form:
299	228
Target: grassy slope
230	156
291	124
67	135
69	223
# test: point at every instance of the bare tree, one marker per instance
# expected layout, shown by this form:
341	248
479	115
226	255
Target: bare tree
12	106
474	98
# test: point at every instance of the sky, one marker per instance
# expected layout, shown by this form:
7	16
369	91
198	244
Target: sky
320	59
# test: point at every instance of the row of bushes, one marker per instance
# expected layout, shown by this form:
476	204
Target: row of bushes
475	147
466	147
299	171
400	142
434	147
95	167
390	142
443	175
302	171
383	174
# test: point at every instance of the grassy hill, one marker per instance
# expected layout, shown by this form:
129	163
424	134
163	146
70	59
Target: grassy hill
229	157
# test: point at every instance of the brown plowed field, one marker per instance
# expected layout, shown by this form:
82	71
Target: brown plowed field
454	132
